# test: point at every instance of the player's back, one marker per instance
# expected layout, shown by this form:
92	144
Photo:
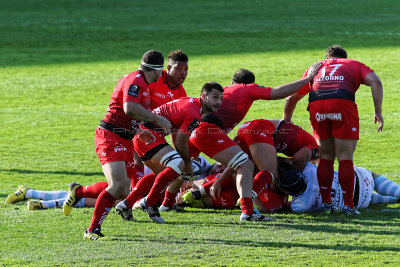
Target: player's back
181	112
338	78
238	99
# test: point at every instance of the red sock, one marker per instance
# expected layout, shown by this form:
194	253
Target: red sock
261	181
325	179
346	180
135	174
246	205
104	203
91	191
169	199
163	180
141	188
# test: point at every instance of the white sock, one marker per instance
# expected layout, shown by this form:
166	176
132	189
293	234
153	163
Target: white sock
45	195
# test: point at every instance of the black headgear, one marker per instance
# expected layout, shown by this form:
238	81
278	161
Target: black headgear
293	181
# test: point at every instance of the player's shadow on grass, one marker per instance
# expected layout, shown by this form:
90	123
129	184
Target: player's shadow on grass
53	172
336	245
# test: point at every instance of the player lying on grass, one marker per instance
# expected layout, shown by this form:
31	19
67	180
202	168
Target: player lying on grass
42	199
305	193
366	181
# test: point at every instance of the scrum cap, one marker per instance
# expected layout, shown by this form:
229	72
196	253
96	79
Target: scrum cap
153	59
293	181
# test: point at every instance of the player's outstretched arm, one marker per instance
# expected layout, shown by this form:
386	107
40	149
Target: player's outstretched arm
290	105
291	88
375	83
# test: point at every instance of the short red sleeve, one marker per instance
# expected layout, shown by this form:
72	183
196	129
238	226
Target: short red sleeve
256	92
306	88
364	71
191	119
132	89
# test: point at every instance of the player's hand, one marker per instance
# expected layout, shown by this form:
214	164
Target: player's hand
188	171
313	70
146	136
215	190
379	118
163	123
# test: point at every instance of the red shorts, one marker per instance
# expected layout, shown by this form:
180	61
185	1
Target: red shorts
210	139
252	132
336	118
111	147
290	138
147	151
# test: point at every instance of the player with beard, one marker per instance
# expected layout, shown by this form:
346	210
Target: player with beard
151	146
167	88
238	99
113	140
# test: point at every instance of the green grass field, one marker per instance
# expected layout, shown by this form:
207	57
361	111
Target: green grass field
59	62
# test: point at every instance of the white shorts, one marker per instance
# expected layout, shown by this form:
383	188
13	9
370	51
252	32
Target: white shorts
366	184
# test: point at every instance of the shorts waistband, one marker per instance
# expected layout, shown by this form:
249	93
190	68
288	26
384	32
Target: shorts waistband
330	94
124	133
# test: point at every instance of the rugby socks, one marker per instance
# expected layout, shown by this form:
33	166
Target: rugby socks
325	179
45	195
169	199
58	203
246	205
346	180
163	180
137	173
386	187
141	188
91	191
104	203
379	199
261	181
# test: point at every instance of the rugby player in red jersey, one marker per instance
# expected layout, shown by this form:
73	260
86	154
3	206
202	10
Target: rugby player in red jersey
170	85
185	115
167	88
211	139
113	140
334	118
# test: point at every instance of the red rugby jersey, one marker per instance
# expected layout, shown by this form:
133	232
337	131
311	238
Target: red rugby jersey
238	99
338	73
161	93
132	87
184	113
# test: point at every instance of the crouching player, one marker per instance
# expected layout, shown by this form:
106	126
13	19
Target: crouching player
155	152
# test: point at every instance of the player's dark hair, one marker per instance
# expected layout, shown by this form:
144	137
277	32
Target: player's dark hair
212	118
152	57
244	76
336	51
207	88
178	55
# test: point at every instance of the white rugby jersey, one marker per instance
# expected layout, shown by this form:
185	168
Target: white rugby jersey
311	200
